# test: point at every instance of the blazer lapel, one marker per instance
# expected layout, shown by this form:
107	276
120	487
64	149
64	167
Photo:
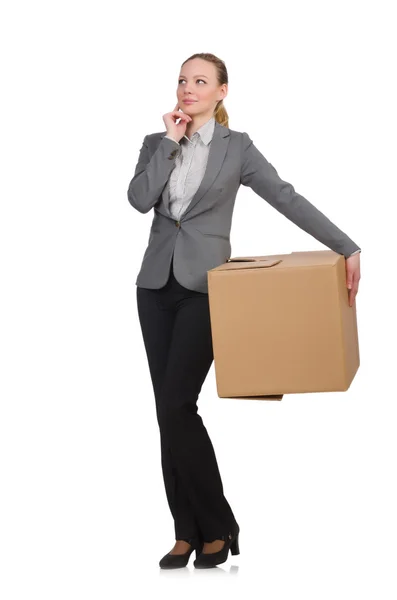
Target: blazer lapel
216	156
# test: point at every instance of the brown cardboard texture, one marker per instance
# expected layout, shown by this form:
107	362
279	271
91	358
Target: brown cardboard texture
282	324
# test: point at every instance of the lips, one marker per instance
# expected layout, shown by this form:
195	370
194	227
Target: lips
189	100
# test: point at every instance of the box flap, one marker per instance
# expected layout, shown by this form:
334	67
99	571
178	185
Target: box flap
248	262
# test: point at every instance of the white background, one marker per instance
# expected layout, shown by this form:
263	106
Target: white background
311	479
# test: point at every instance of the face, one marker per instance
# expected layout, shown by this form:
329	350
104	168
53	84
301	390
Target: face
198	82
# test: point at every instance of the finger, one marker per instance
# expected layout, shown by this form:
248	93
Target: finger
353	294
351	298
352	279
183	116
349	281
180	114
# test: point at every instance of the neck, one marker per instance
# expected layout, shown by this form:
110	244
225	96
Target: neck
197	122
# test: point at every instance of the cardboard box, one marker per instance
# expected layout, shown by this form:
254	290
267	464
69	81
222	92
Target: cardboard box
282	324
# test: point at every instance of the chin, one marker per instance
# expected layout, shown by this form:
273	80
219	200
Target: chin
188	107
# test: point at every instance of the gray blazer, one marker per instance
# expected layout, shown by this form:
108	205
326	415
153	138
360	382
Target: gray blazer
200	241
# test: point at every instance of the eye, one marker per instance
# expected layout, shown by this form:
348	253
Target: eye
179	81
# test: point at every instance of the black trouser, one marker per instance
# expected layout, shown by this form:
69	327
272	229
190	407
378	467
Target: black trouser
176	329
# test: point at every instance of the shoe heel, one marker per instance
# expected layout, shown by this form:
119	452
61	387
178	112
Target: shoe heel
234	548
198	552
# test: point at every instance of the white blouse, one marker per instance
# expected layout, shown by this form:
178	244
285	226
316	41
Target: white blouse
190	165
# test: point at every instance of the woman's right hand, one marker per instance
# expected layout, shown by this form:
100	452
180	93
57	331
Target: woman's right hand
176	131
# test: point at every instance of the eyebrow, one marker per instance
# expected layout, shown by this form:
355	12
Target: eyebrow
194	76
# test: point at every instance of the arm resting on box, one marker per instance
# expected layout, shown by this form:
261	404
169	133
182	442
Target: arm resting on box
262	177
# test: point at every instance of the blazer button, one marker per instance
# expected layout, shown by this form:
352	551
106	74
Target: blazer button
171	156
178	223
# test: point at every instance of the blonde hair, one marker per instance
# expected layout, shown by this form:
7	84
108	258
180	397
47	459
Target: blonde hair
220	112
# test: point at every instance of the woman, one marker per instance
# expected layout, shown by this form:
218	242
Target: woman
190	175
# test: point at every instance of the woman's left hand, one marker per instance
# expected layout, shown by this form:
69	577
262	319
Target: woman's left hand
353	276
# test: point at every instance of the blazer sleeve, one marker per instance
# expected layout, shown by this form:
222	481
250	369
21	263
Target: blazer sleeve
151	174
262	177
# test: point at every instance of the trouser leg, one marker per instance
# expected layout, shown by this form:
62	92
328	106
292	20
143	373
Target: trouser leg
157	325
190	355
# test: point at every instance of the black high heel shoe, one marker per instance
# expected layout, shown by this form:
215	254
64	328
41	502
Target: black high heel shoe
205	561
175	561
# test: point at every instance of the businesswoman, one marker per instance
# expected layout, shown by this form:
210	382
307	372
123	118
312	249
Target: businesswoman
189	175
